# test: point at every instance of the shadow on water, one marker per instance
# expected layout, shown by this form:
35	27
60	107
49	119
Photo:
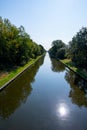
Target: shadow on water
17	92
57	66
78	92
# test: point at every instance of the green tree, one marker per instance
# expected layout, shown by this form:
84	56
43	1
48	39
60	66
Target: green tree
58	49
16	46
78	49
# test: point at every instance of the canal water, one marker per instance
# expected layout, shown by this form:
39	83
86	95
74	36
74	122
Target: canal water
47	96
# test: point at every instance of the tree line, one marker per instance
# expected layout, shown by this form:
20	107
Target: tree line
16	46
76	50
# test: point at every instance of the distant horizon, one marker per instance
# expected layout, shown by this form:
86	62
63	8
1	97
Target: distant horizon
48	20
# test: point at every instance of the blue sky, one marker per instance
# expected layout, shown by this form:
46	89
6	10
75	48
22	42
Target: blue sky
46	20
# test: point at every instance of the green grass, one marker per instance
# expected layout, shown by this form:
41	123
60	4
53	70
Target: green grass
79	71
68	63
12	74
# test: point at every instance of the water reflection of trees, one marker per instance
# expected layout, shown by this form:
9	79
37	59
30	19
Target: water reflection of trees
78	92
17	92
57	66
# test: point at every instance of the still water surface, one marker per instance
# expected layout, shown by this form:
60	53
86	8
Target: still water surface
47	96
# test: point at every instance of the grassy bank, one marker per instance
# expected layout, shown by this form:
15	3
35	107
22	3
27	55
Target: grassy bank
69	64
6	79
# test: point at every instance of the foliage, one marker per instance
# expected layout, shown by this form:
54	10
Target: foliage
58	49
78	49
16	46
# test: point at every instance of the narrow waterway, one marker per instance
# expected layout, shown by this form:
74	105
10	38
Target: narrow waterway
47	96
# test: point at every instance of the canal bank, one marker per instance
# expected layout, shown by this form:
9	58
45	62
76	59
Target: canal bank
17	72
79	72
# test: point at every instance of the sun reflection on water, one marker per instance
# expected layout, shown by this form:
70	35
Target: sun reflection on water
62	110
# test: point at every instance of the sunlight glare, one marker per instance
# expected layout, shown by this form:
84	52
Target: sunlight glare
62	110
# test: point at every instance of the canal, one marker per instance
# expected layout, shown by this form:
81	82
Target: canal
48	96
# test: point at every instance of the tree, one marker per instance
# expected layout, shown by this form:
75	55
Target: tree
16	46
58	49
78	49
61	53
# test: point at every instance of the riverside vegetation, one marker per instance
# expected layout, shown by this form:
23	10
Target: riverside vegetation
16	50
74	55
